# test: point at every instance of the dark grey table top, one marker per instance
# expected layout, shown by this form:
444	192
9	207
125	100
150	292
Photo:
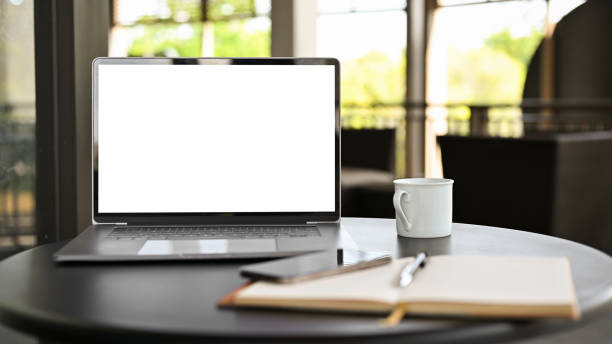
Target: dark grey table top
176	302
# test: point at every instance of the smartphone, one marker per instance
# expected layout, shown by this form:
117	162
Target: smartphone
314	265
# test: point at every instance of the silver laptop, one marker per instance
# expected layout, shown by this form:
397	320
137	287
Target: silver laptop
199	158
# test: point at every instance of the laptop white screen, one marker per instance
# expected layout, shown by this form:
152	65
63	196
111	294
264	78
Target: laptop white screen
216	138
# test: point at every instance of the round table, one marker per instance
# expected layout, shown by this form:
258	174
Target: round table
176	301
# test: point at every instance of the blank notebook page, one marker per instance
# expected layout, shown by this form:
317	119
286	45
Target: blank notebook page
501	280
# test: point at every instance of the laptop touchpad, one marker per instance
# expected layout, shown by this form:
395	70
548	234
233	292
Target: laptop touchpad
214	246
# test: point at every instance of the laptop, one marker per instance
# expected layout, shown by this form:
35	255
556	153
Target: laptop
208	158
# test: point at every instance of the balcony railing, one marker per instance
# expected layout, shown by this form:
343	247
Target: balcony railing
561	115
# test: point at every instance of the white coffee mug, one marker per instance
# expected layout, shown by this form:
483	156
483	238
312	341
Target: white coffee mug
423	207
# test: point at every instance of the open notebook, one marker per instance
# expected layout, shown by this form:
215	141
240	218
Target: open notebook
483	286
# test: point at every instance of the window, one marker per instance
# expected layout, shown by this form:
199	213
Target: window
369	39
483	60
191	28
479	52
17	124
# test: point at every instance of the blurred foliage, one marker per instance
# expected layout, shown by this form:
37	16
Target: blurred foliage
233	38
180	11
494	73
484	76
185	10
520	48
373	79
218	9
168	40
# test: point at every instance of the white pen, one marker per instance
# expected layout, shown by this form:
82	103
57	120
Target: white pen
408	272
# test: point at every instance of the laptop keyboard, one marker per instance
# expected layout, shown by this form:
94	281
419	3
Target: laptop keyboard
212	232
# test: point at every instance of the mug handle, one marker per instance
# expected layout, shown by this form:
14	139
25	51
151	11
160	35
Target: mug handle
398	207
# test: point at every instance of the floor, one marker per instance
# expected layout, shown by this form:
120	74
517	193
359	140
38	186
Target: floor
598	332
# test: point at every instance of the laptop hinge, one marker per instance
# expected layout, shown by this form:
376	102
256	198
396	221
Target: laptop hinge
307	222
318	222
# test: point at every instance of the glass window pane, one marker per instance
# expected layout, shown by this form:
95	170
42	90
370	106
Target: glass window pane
371	48
17	122
169	40
219	9
242	29
235	38
242	38
263	6
128	12
484	60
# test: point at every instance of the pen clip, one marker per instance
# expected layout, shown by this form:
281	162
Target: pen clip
407	274
422	265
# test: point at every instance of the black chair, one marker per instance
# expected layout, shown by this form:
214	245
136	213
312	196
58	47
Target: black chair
552	183
367	172
582	80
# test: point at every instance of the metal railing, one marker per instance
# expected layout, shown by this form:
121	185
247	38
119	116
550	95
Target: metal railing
561	115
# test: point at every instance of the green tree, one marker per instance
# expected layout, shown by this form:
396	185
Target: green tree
224	8
234	39
484	76
167	40
373	78
493	73
520	48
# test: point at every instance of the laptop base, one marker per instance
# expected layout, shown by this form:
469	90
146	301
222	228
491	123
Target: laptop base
96	244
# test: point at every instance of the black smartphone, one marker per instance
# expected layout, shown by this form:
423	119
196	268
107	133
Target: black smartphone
314	265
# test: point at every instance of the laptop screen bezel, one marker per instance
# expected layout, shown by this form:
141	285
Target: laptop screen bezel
204	217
